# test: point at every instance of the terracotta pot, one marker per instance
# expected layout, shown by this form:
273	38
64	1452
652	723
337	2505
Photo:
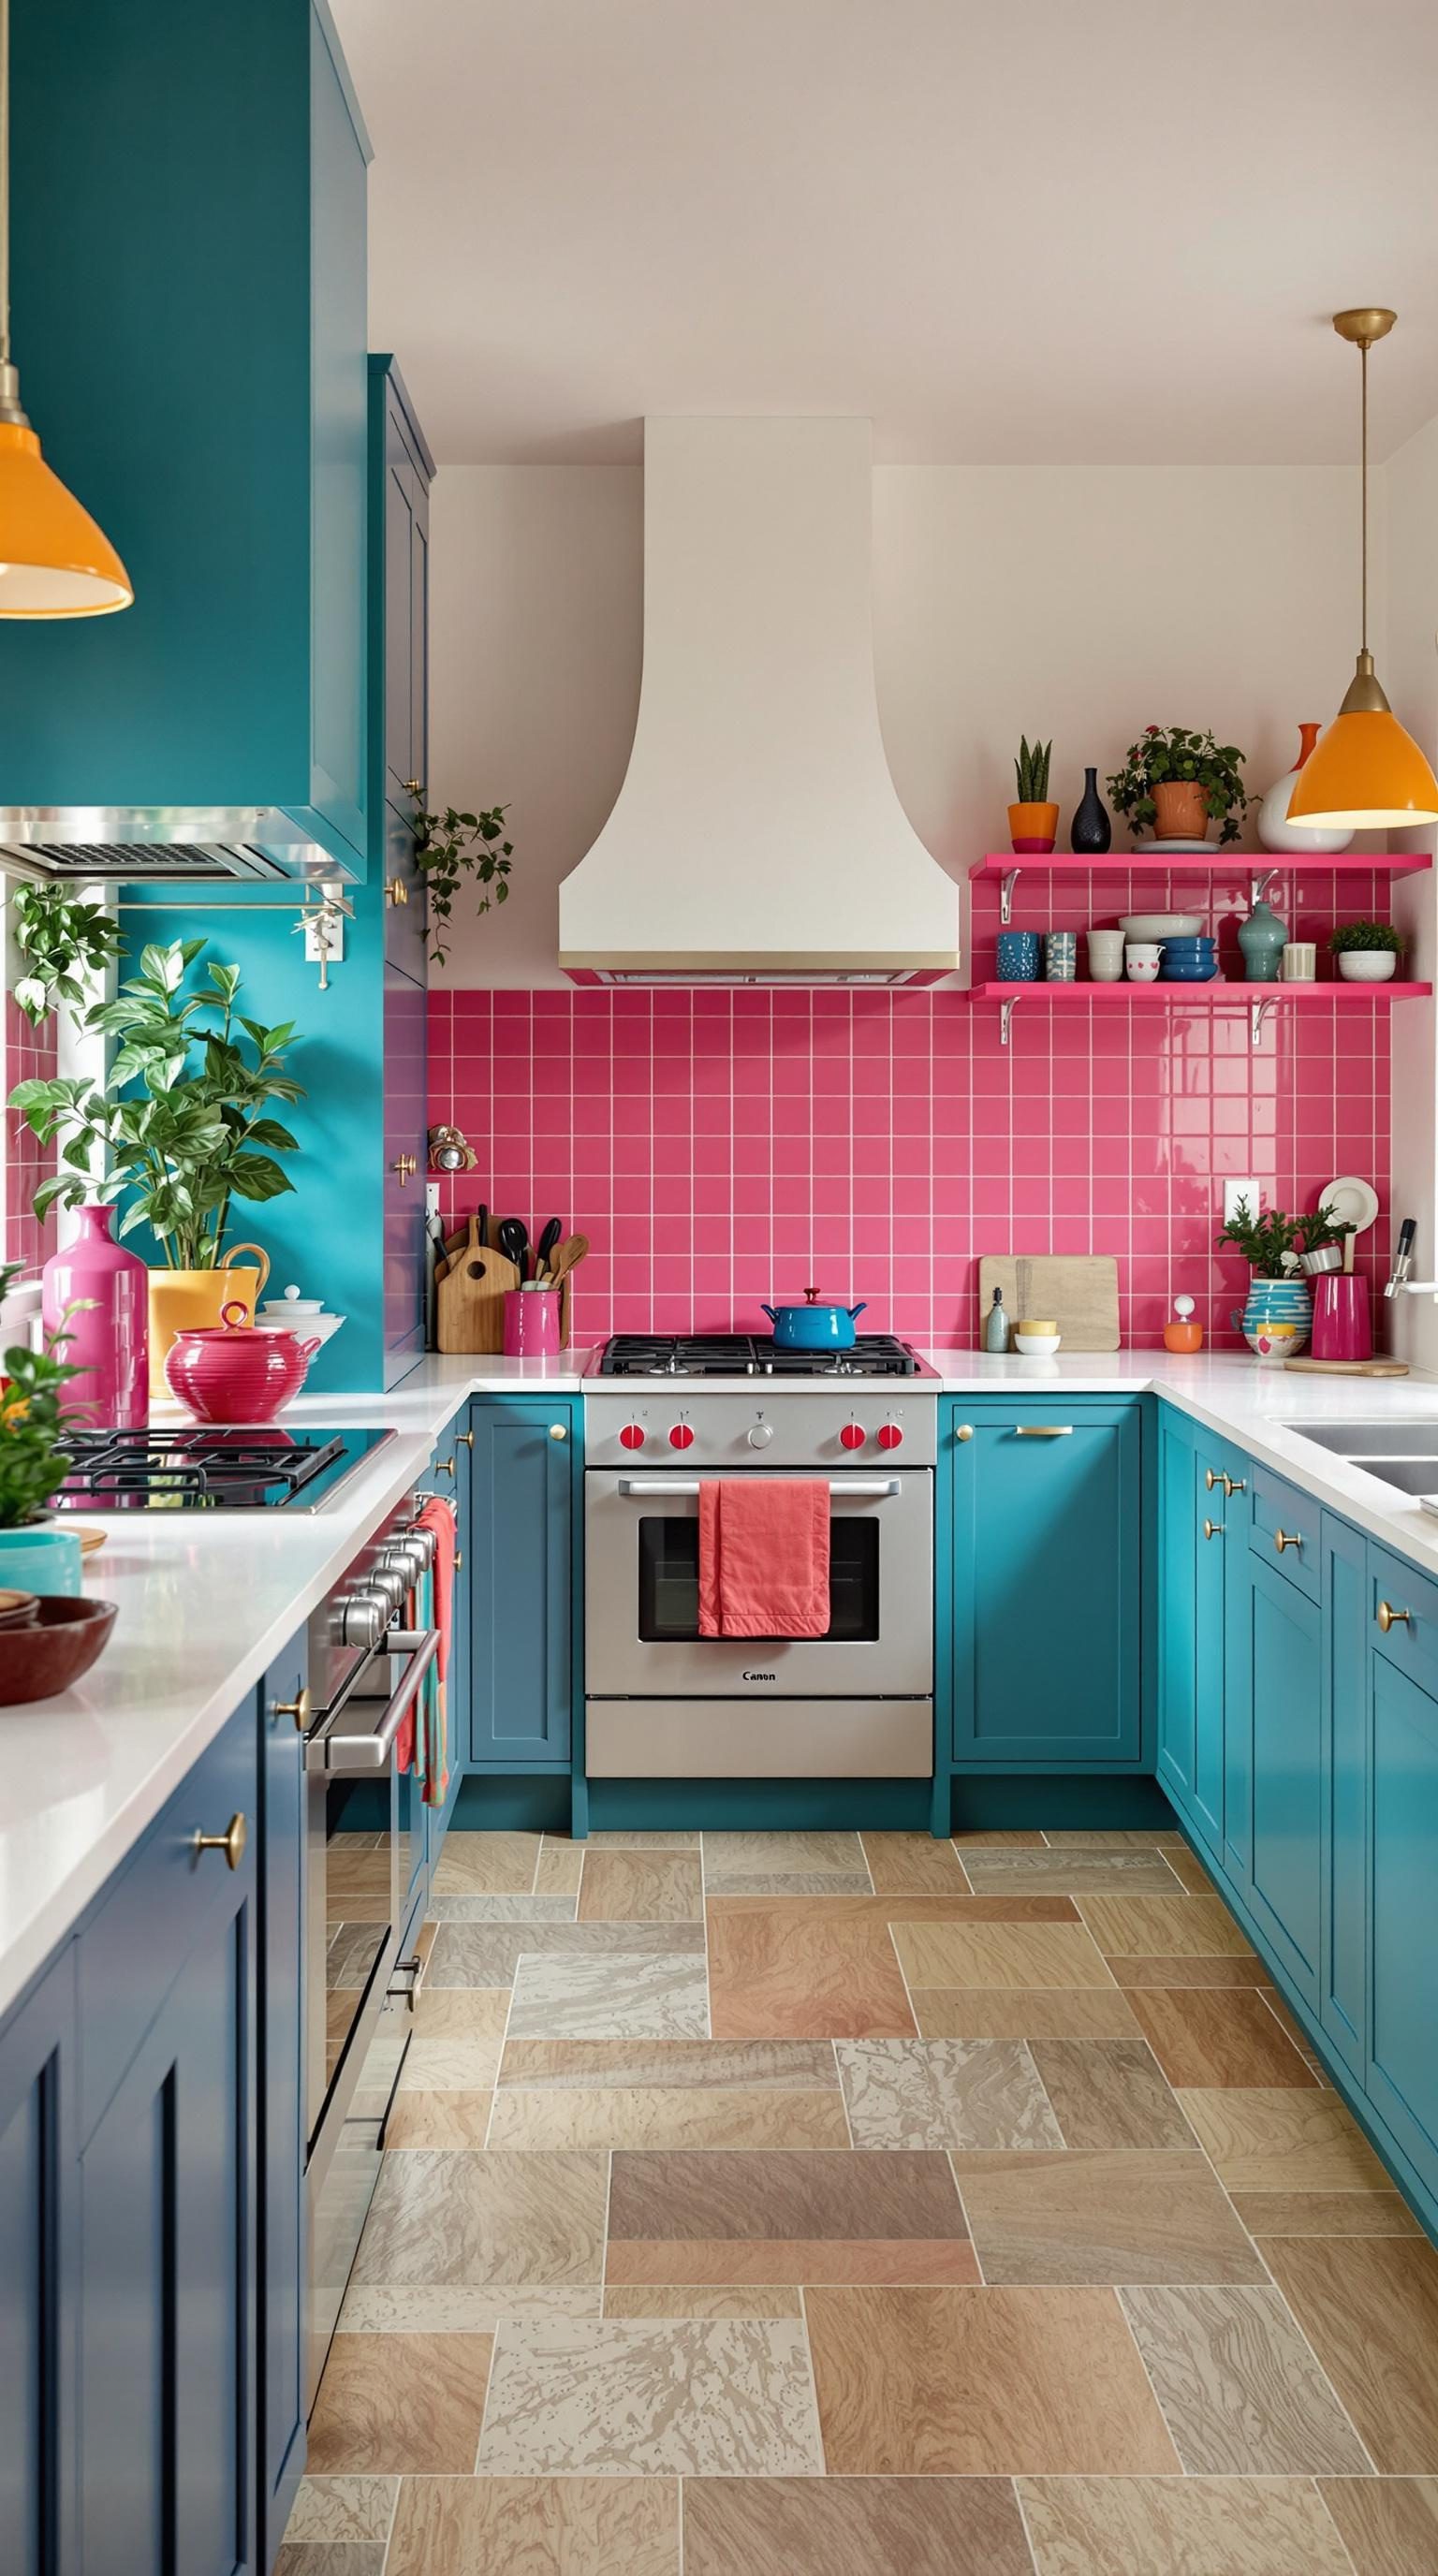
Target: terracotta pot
1033	828
1180	810
226	1373
185	1301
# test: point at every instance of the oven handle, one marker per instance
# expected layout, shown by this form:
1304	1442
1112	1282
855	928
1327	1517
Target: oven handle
860	1488
355	1754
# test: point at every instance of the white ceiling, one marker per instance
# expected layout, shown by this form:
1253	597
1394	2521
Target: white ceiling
1013	231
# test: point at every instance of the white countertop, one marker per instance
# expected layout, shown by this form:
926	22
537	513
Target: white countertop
206	1604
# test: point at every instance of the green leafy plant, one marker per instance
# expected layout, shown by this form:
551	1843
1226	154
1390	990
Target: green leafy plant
58	936
1265	1242
33	1456
1354	935
1325	1226
1172	756
1031	771
182	1120
452	845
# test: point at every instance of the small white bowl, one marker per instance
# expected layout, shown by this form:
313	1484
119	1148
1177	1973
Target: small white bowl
1161	925
1141	965
1367	965
1037	1346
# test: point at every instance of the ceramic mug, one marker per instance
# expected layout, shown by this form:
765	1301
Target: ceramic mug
1061	956
1300	962
1018	957
1105	956
1142	959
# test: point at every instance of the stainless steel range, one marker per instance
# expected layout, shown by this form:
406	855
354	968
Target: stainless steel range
662	1702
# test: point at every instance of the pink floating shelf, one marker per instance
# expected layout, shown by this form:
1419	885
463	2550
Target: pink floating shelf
1230	862
1210	996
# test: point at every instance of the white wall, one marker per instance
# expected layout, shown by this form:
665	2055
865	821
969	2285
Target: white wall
1408	668
1076	602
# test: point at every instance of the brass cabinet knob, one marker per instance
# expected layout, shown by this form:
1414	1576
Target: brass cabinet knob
464	1439
1235	1485
444	1467
459	1560
1213	1529
1212	1478
1231	1484
298	1709
965	1431
231	1842
412	787
1388	1617
406	1166
396	892
559	1431
1287	1538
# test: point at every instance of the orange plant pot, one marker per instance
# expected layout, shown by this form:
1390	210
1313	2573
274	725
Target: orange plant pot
1183	1337
1033	828
1180	810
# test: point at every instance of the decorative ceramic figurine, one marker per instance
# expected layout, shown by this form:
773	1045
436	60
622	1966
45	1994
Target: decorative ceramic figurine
1263	938
1275	832
1183	1334
1092	826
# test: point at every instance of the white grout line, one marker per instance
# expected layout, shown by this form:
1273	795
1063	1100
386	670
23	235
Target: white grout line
1024	2522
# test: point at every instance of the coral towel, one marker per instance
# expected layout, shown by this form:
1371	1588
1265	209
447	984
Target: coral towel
763	1556
423	1738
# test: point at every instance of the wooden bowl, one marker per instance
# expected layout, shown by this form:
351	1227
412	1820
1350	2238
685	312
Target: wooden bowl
67	1637
17	1609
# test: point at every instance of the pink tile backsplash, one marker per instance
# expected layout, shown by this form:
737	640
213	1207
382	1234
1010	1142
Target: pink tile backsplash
29	1056
720	1148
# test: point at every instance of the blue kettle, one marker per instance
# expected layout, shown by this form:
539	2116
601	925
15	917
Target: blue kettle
813	1327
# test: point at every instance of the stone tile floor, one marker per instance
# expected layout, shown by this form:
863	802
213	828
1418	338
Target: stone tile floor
854	2205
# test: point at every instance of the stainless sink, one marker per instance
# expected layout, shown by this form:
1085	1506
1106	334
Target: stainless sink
1363	1440
1406	1475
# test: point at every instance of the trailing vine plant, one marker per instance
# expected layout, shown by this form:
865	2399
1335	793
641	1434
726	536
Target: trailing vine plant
451	845
58	938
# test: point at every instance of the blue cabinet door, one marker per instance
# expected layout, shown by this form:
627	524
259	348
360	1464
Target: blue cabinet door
1177	1612
523	1524
1273	1710
1402	2062
1048	1610
405	1156
401	470
1201	1534
282	2266
1343	1779
166	2364
37	2277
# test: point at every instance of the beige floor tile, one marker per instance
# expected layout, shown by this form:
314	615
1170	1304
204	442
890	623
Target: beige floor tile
700	2299
460	2012
682	1838
1390	2525
638	1887
944	2093
1022	2012
343	2508
460	2219
782	1852
1369	2307
913	1863
972	2382
998	1954
1117	1838
671	2116
1283	2140
486	1864
1204	2036
853	2527
488	1954
442	2065
826	1885
996	1838
1072	1873
425	2307
1163	1926
653	2397
779	1976
438	2120
794	2065
1190	1872
1197	1970
613	1994
560	2526
1102	2218
328	2558
1110	2093
1325	2213
1180	2527
560	1866
400	2402
1238	2384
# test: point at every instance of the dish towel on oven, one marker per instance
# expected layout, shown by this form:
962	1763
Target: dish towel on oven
424	1737
763	1556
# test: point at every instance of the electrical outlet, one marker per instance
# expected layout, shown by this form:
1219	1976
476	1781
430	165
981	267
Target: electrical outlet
1233	1191
431	1198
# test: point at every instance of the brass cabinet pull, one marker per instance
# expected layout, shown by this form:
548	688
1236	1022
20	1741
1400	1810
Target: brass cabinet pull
1212	1478
1235	1485
396	892
406	1166
459	1560
1231	1484
1287	1538
298	1709
231	1842
444	1467
464	1439
965	1431
1213	1529
559	1431
412	787
1043	1430
1388	1617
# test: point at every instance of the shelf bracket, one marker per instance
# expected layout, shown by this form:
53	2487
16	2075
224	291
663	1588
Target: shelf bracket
1006	1012
1007	884
1257	1014
1257	888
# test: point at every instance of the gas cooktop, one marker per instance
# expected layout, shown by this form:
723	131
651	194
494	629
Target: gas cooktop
750	1355
207	1468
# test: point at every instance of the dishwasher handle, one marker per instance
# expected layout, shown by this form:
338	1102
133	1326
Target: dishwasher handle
355	1755
859	1488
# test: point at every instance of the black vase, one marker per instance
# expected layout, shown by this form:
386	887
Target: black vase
1091	828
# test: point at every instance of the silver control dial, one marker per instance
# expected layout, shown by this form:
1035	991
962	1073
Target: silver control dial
364	1617
760	1435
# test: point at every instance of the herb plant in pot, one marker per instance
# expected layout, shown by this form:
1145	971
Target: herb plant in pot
1367	951
34	1460
1277	1317
1033	821
1175	782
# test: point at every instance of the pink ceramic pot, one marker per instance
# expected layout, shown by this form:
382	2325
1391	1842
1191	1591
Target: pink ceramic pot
109	1337
531	1323
225	1373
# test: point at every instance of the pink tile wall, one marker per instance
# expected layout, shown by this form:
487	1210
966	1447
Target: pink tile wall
29	1056
721	1148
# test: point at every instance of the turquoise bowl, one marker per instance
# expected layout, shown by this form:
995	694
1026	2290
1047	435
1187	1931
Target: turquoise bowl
40	1559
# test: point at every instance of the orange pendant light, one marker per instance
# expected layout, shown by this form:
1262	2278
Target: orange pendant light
54	561
1365	772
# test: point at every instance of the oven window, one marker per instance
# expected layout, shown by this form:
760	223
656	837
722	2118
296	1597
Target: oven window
669	1582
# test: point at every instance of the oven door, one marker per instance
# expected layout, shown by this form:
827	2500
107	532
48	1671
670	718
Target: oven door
642	1597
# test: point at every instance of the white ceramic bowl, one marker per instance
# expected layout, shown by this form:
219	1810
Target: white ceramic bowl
1367	965
310	1328
1161	925
1037	1346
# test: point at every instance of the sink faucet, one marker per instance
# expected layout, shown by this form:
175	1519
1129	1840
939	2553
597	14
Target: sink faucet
1400	1285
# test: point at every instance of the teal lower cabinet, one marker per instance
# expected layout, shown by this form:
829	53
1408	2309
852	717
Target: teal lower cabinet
281	2248
1343	1792
522	1564
1272	1713
1402	2061
38	2276
1044	1551
1202	1533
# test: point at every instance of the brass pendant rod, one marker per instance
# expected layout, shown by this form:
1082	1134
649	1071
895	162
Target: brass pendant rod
1363	435
4	183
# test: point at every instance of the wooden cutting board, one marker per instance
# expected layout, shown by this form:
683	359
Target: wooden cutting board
471	1297
1078	1292
1351	1368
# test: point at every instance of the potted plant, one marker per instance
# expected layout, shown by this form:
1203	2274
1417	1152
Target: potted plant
1367	951
1174	783
1277	1317
180	1128
59	938
454	844
34	1557
1033	821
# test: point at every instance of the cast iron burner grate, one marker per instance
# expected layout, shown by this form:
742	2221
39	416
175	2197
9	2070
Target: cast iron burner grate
197	1470
749	1355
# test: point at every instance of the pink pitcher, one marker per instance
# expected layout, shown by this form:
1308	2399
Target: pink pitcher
1342	1320
110	1336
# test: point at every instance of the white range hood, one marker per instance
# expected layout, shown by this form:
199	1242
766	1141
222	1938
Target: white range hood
757	837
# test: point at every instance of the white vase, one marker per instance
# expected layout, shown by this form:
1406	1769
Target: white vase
1275	832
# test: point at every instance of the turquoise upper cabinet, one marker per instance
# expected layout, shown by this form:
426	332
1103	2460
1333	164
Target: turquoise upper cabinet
189	313
401	471
1048	1612
525	1475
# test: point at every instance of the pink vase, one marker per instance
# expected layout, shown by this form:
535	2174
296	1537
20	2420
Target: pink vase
109	1339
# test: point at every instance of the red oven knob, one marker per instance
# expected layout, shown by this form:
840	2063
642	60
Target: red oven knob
890	1436
853	1436
632	1436
681	1437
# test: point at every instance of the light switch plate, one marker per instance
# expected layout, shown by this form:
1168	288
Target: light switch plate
1233	1191
431	1198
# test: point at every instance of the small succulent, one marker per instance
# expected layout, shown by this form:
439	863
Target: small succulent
1031	770
1351	936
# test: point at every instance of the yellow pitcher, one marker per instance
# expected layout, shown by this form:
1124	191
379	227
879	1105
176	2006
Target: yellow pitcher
182	1300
